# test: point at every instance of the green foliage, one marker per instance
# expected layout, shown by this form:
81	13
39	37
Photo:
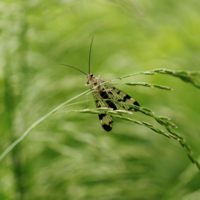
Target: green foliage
69	155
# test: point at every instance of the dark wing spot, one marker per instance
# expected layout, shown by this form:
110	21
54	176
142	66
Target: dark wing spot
107	127
126	97
97	104
105	95
101	116
136	103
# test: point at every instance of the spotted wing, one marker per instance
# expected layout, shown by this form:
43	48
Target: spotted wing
120	96
106	120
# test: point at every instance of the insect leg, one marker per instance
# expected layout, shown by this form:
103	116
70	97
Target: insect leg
88	85
87	98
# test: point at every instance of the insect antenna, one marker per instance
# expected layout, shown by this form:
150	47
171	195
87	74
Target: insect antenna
90	52
71	67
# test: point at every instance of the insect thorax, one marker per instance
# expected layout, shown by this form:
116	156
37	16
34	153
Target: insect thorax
94	81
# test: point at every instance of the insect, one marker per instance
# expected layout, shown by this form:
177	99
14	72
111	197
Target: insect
106	95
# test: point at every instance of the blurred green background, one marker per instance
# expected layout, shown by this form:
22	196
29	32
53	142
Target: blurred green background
70	156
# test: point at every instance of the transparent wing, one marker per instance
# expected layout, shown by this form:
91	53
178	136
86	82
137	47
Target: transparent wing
120	96
106	120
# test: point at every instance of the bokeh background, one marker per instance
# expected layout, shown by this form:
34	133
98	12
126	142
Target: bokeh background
70	156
